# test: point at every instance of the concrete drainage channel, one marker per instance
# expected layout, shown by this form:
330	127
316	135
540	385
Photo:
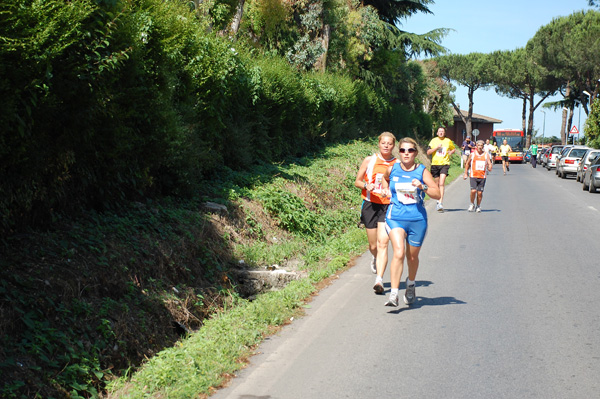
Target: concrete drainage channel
253	282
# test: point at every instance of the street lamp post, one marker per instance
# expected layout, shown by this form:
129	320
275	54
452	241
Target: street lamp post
578	123
589	95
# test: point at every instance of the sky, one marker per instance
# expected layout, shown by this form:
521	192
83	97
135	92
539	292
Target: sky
486	26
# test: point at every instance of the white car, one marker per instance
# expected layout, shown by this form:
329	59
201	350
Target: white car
569	160
589	157
552	155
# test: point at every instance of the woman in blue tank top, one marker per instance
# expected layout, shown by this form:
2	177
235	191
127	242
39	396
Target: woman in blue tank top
406	217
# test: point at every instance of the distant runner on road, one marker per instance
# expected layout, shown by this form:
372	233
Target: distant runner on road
533	154
504	150
478	164
489	148
440	149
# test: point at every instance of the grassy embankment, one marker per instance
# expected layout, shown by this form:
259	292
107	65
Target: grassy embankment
202	361
95	296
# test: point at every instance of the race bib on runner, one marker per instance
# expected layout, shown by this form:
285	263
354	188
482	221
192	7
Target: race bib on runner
378	185
441	151
406	193
479	165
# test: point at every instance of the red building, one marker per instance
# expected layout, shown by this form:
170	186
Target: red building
483	124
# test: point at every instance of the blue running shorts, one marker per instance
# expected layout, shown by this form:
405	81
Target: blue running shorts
415	230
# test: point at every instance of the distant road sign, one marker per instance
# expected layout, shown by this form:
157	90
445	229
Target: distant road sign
574	130
475	132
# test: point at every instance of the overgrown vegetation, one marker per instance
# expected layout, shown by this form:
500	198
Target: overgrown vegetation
111	101
94	297
592	126
121	118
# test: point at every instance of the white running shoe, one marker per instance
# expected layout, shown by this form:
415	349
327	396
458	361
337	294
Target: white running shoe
471	208
374	265
378	288
409	293
393	301
478	210
439	207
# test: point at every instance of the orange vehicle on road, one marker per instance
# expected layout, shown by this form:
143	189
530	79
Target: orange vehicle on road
515	139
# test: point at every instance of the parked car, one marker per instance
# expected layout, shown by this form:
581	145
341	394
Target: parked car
552	155
564	149
569	160
589	157
543	156
591	177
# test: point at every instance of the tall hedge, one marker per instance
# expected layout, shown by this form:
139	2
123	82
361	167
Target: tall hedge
107	100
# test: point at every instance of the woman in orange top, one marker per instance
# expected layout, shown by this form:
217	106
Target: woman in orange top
374	207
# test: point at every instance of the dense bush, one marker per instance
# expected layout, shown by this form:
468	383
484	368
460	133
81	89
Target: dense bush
592	126
109	101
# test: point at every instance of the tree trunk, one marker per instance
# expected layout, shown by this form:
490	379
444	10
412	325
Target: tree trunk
321	63
563	125
532	108
237	18
568	129
469	122
524	115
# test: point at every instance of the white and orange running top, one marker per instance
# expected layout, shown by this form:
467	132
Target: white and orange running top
374	174
478	167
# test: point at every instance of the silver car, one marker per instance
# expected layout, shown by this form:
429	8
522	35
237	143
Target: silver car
591	177
552	155
589	157
543	156
569	160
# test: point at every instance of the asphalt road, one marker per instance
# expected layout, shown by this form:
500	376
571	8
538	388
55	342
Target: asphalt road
508	307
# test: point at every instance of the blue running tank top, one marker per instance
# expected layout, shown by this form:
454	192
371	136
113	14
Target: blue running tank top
407	200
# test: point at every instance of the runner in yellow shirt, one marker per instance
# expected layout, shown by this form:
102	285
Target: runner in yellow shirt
440	149
504	150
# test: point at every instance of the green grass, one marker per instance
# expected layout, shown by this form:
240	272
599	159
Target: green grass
455	170
197	364
315	208
113	282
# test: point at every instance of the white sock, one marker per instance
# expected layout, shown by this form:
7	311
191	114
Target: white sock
378	280
394	291
409	283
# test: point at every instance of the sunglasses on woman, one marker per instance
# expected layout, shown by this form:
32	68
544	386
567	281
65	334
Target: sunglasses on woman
410	150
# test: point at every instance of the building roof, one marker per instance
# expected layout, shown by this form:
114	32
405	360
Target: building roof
476	117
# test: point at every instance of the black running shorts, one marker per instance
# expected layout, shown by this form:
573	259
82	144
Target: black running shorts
372	213
437	170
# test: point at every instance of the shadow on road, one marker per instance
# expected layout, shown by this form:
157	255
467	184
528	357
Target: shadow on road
425	301
465	210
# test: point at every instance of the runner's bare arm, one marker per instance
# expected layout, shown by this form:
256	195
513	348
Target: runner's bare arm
360	176
433	189
467	165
